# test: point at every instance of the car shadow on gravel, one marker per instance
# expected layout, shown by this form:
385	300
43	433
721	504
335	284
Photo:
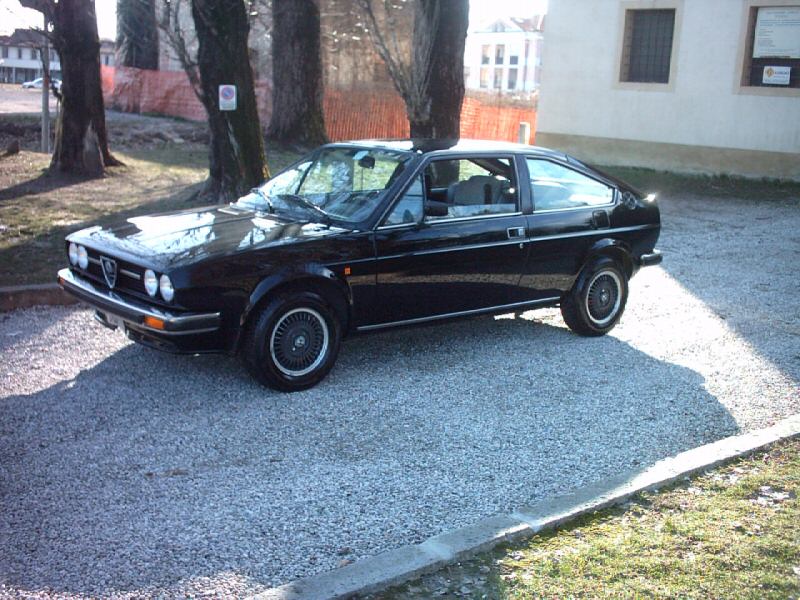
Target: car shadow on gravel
155	474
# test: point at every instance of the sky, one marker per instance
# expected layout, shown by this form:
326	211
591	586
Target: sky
12	15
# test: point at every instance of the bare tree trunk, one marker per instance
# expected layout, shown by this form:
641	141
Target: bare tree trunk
236	154
137	35
297	115
440	71
81	144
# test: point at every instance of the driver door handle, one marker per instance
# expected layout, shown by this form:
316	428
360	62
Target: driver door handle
515	232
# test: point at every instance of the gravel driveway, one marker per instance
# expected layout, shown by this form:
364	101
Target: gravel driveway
125	472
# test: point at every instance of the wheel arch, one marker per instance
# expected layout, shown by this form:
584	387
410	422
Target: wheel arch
314	278
614	249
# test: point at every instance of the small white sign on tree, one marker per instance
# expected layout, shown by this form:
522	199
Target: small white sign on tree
227	97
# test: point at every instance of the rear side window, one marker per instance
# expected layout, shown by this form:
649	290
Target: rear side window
556	187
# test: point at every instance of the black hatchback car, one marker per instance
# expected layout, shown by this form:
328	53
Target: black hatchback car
364	235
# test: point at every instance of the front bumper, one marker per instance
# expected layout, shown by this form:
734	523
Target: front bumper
156	324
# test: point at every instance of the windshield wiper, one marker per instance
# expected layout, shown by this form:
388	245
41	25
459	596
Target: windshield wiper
299	200
258	192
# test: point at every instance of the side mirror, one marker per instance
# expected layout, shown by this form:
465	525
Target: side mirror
366	162
434	208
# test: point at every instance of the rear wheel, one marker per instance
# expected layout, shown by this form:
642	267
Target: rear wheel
291	343
597	300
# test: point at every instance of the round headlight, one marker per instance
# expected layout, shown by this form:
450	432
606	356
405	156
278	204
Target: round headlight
167	291
150	282
83	258
73	254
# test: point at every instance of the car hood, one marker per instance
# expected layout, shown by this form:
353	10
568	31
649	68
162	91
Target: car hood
174	239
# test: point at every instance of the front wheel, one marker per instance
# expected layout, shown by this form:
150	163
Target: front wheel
596	301
291	344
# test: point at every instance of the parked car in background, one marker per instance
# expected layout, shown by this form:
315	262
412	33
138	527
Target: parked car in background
38	82
365	235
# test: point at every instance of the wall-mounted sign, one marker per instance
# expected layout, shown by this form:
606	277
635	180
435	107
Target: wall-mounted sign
776	75
227	97
777	33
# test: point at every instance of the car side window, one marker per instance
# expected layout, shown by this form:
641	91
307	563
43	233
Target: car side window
409	208
470	187
556	187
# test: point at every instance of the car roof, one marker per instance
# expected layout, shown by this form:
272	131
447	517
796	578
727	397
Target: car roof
444	146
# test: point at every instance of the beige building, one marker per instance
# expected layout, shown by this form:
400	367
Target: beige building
707	86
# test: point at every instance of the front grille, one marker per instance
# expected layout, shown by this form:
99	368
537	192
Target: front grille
130	277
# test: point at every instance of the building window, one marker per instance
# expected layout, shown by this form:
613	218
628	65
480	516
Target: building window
512	79
499	54
498	79
4	52
19	52
484	77
485	54
647	46
772	52
513	59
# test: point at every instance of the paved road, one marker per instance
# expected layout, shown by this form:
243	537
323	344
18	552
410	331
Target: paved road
13	99
126	472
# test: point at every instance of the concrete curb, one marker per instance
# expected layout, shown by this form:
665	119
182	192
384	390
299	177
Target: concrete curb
408	562
25	296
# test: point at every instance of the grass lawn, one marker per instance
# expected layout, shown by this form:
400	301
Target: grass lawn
731	533
38	210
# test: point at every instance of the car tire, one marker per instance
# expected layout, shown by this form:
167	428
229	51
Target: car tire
292	342
597	299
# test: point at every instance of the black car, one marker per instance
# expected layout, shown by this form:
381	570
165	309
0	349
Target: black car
364	235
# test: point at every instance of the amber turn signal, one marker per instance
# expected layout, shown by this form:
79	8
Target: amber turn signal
154	323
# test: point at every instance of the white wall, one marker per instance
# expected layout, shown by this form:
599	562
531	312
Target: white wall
703	106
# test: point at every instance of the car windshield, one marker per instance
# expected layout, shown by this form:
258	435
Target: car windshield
345	184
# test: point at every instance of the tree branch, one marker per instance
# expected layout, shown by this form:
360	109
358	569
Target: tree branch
170	25
399	72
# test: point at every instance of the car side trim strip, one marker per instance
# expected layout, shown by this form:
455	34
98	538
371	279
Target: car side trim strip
521	240
463	313
600	232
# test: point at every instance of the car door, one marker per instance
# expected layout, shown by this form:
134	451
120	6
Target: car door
571	210
453	242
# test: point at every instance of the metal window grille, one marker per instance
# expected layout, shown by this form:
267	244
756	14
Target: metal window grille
650	45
